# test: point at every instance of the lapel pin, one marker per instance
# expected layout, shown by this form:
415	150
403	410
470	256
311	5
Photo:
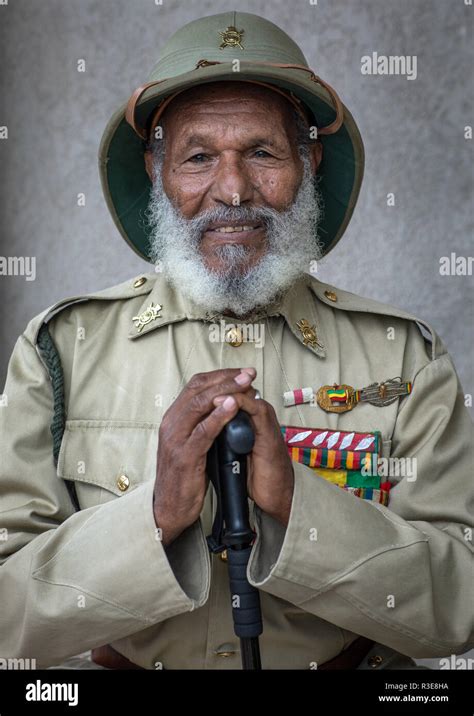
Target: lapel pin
148	315
309	334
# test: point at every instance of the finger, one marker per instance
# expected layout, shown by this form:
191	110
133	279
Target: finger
262	413
191	409
251	392
251	371
207	430
203	381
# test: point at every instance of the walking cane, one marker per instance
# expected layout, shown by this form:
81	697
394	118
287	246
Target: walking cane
227	469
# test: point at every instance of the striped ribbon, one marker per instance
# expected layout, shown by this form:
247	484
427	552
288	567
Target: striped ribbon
339	466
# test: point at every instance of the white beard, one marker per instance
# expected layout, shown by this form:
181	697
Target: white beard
291	238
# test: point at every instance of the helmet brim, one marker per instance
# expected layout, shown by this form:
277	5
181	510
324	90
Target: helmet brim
126	184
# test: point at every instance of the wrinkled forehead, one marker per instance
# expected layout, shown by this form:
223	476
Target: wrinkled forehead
229	97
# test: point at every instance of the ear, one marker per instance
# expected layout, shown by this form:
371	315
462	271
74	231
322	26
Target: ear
148	157
316	155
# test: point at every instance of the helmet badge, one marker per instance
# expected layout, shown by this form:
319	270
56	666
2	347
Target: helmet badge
231	37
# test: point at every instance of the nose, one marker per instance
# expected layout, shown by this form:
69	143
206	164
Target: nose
232	184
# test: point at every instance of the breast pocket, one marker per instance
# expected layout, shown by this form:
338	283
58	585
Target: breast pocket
107	459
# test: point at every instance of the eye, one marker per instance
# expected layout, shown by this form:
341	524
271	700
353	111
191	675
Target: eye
261	154
198	158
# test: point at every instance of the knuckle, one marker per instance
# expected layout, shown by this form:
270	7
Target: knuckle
165	419
224	388
269	408
230	386
199	403
266	410
197	381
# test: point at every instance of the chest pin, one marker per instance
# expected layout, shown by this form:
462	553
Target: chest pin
341	398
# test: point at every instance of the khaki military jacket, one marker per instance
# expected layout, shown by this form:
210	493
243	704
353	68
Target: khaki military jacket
71	580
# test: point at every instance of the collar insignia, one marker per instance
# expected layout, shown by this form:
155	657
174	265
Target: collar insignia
309	333
148	315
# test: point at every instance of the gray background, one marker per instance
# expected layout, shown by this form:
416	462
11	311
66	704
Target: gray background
413	133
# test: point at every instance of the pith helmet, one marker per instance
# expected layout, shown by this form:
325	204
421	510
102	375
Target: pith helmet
204	51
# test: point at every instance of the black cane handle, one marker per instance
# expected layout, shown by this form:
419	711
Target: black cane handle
233	445
238	434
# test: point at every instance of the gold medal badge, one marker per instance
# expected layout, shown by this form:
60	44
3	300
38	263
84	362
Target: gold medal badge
336	398
341	398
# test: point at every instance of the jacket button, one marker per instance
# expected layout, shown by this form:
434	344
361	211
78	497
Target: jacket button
375	661
139	282
331	296
123	483
225	650
234	337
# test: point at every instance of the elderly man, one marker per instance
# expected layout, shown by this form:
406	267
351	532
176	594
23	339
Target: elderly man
233	170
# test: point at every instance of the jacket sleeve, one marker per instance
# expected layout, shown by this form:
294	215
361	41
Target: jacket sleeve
402	575
71	581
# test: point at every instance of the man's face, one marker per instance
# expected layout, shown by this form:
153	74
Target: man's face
233	210
229	145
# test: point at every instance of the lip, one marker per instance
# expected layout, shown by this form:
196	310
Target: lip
233	237
221	224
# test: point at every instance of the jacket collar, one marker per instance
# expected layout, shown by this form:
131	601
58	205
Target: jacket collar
297	306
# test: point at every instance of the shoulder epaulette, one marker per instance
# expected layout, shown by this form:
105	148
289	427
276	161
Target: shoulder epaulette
346	301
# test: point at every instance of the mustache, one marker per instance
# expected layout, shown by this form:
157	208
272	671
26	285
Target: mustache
233	214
